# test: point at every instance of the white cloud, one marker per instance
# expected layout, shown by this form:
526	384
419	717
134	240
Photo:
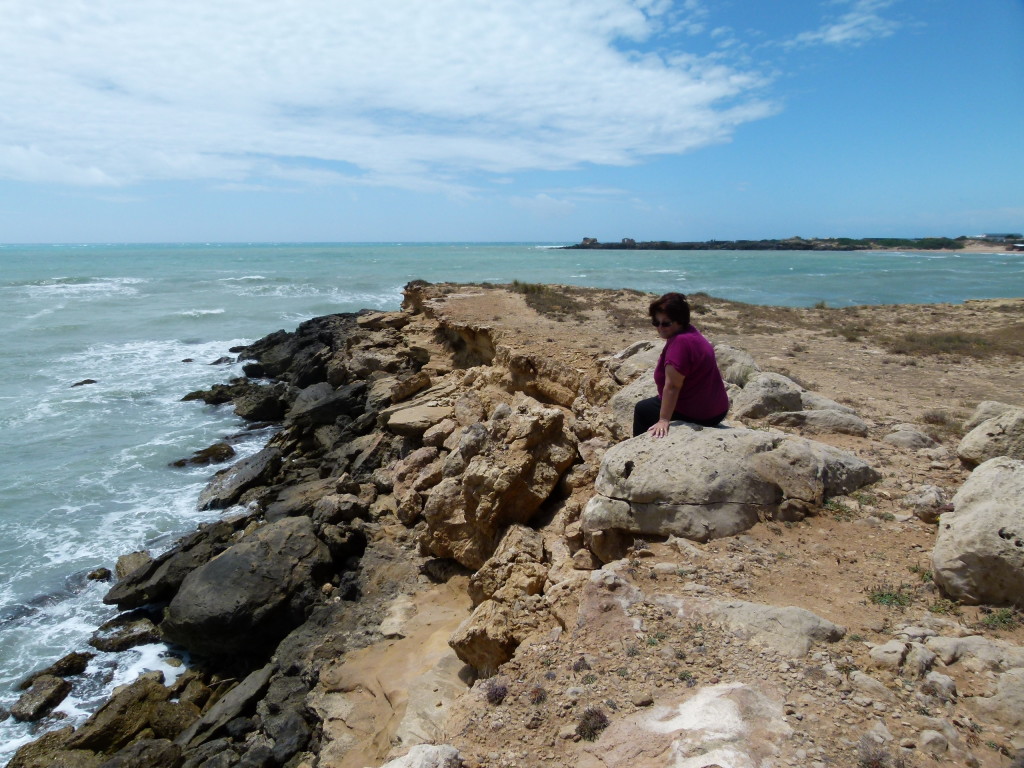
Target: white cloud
416	95
860	25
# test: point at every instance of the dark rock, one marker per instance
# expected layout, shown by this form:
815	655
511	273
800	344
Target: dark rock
290	733
264	402
299	499
46	692
253	594
223	360
147	753
50	751
121	718
301	357
100	574
259	755
228	485
83	382
324	405
187	360
227	708
159	580
219	394
239	726
125	631
215	454
72	664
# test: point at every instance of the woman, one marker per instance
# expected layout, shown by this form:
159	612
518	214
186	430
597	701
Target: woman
690	387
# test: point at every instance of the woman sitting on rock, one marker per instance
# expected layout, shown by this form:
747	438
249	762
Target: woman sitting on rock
690	387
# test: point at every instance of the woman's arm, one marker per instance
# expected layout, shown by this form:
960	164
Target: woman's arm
669	398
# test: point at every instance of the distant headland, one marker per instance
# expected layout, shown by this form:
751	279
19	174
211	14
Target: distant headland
987	242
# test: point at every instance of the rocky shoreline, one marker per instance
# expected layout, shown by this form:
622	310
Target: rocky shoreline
447	539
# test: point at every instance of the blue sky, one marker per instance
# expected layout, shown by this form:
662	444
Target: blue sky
509	120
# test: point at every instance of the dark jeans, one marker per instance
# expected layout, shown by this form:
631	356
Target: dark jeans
647	412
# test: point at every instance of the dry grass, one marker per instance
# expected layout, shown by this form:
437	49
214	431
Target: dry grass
1008	341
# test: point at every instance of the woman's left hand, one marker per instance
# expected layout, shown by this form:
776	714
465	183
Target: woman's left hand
660	429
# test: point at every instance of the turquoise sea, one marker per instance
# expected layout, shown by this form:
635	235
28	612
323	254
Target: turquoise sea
84	475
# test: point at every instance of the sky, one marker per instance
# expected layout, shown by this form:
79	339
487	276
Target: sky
509	120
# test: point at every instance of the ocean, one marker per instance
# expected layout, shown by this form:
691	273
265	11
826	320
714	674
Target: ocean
85	473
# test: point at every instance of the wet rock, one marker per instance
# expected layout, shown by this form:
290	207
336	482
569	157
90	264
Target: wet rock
124	632
265	402
83	382
228	485
50	751
100	574
45	693
133	561
121	718
214	454
72	664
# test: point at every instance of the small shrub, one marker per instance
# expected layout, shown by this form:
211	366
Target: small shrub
820	304
589	679
592	722
632	651
580	665
871	754
1001	618
538	695
924	574
495	691
892	596
944	607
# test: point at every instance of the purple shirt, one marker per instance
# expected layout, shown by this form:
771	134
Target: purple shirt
703	394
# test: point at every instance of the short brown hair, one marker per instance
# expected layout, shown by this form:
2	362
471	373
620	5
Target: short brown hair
674	306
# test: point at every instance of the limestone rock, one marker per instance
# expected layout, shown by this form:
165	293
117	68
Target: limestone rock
906	436
999	436
1006	706
927	502
491	634
622	402
124	632
515	569
522	457
729	724
733	477
133	561
979	550
427	756
812	401
416	419
767	393
821	421
252	594
788	630
987	409
636	360
736	365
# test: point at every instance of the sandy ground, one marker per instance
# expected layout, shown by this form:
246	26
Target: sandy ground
831	563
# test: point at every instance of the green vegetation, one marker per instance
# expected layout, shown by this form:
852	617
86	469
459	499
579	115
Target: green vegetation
1001	618
892	596
592	722
552	301
789	244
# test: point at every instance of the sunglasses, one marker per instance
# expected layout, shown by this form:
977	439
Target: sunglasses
664	324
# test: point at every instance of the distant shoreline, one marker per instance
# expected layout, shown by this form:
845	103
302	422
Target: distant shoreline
937	244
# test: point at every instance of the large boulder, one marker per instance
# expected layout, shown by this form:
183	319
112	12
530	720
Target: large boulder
253	594
736	365
987	409
514	468
979	550
703	484
622	402
1002	435
767	393
156	581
